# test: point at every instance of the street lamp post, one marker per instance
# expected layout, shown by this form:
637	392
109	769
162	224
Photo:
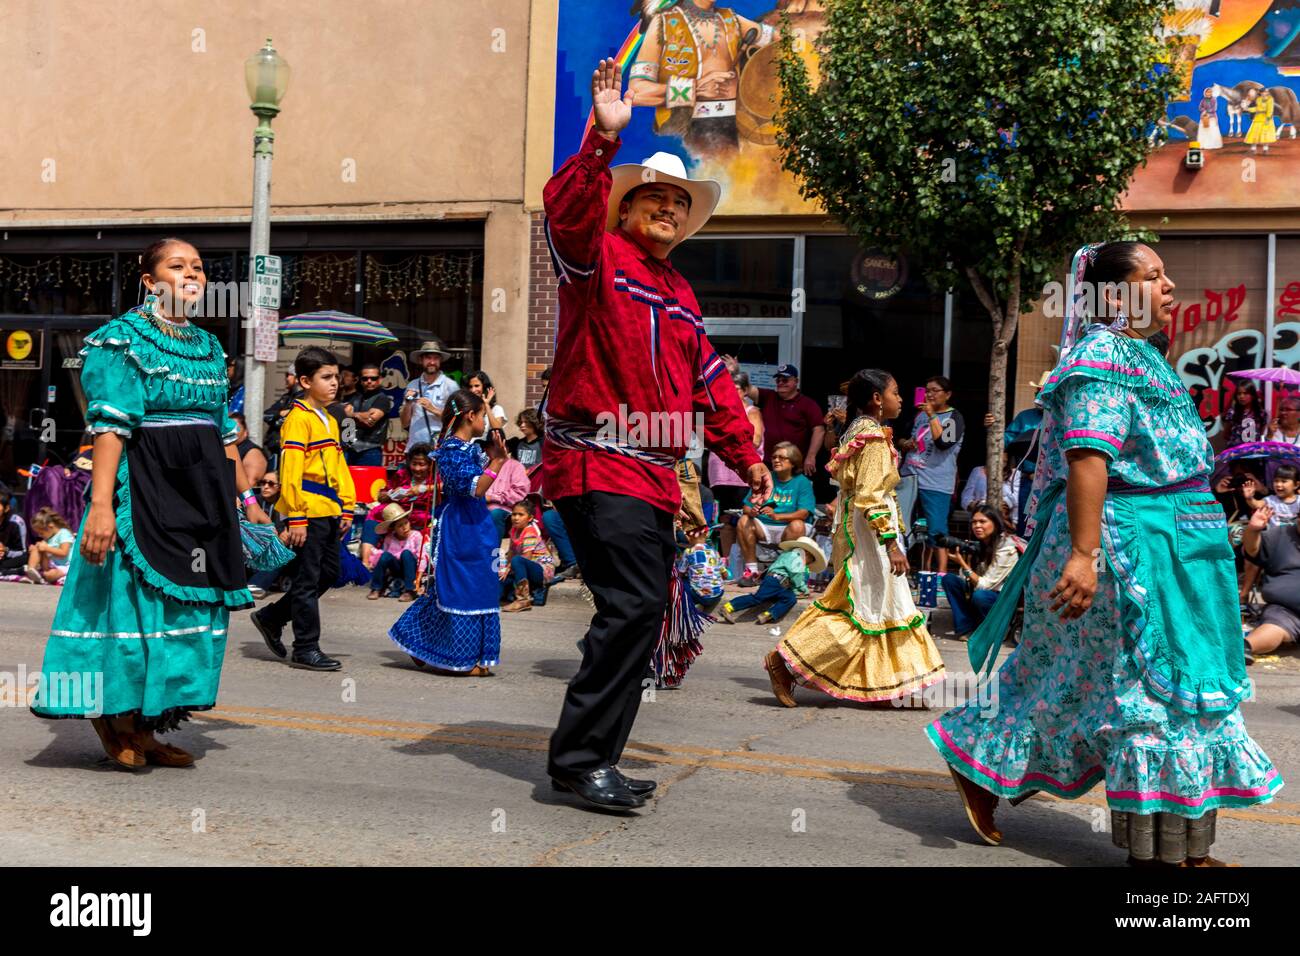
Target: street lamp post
267	77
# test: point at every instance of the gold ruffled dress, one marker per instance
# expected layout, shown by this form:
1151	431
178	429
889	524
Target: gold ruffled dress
864	640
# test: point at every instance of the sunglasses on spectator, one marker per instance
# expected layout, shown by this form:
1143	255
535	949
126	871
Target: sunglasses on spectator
369	378
273	484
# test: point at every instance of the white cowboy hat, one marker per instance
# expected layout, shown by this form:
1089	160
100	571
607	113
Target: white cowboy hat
665	168
816	556
432	345
389	517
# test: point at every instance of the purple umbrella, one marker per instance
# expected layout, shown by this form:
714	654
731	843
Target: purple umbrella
1286	376
1273	450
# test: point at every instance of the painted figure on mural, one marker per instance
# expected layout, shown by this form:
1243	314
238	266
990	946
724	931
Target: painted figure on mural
1259	103
1285	105
1208	135
688	69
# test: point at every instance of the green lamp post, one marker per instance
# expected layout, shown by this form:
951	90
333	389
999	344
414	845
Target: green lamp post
267	77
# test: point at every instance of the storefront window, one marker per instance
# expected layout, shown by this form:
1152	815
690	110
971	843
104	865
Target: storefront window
418	293
56	284
739	278
870	310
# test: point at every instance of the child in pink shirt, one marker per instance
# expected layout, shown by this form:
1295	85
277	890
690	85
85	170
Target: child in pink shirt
530	568
398	553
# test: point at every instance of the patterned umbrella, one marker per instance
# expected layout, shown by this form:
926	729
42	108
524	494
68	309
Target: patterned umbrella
1287	376
335	325
1275	450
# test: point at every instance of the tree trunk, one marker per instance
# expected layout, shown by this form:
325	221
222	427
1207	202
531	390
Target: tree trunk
1005	321
998	406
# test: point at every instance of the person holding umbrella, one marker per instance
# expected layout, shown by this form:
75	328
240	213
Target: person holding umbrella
425	396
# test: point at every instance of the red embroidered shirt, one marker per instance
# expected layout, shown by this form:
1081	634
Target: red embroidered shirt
629	347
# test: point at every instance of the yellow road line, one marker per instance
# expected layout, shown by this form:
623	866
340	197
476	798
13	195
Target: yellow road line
741	761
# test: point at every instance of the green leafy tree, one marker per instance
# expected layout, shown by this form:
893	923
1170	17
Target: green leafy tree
986	139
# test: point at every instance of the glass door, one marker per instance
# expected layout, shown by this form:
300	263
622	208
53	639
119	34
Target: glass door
760	346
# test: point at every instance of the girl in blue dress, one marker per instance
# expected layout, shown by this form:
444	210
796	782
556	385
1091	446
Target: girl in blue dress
455	626
143	618
1130	669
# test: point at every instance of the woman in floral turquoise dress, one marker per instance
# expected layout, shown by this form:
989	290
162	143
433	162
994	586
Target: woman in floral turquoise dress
140	630
1130	668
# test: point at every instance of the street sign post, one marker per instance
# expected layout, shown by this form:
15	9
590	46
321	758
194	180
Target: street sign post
266	282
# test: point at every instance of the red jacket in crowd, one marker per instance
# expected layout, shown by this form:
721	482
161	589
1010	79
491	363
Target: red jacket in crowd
629	336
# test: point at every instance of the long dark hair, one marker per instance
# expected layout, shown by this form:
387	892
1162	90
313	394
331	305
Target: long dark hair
863	387
462	402
989	546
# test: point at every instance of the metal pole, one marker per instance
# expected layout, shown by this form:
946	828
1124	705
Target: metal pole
947	333
259	245
1270	298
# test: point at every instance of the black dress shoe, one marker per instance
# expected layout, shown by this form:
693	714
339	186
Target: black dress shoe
270	636
640	787
603	788
314	660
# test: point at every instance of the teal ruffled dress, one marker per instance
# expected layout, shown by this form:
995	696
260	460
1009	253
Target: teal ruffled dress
145	632
1140	694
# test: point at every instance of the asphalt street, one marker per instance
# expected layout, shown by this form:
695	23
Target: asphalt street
383	763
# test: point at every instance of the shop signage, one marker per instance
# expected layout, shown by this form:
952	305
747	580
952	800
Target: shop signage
23	348
877	275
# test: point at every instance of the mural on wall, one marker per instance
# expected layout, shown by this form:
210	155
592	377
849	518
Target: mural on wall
1240	104
703	74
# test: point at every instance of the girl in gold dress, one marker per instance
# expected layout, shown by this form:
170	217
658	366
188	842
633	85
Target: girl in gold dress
864	640
1262	131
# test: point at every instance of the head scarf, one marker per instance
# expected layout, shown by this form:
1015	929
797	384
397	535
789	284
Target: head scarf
1074	292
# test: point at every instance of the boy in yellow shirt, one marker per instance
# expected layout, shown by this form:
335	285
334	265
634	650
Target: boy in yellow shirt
316	498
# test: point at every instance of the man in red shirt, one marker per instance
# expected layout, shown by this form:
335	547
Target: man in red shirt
789	415
634	376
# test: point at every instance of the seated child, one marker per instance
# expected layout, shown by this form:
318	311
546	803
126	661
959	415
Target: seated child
397	553
703	569
785	581
531	567
48	559
1284	501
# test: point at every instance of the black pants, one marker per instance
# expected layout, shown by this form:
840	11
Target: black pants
13	565
625	549
312	572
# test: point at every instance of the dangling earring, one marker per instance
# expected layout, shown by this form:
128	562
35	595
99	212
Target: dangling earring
1121	323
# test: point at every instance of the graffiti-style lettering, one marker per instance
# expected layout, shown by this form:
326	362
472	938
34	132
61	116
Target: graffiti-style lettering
1288	303
1205	370
1187	319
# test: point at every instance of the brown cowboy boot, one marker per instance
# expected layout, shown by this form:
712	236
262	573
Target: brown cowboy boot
523	599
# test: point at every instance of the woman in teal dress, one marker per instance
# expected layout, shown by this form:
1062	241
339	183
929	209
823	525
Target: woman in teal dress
140	630
1130	668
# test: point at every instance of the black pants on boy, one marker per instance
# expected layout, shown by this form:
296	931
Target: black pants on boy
625	549
312	572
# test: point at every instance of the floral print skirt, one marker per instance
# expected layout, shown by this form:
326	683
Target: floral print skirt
1072	710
